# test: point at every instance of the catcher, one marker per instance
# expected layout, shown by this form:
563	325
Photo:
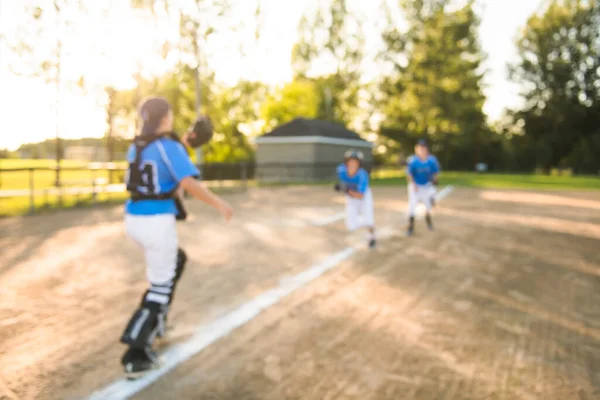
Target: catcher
354	182
159	170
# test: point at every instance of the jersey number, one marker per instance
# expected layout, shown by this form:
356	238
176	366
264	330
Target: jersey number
147	175
146	180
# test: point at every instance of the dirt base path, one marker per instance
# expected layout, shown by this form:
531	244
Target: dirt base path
500	302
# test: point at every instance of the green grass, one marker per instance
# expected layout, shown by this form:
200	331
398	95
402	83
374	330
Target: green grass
393	177
498	181
46	179
43	179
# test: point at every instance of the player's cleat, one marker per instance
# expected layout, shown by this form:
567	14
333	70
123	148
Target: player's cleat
429	222
372	243
411	226
138	362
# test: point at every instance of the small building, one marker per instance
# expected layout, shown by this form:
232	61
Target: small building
306	150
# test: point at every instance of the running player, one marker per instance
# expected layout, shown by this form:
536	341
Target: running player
354	181
159	167
421	173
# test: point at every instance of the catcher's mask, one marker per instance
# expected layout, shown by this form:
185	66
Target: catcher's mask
354	154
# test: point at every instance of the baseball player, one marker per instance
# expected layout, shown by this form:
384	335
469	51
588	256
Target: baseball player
354	181
159	168
422	172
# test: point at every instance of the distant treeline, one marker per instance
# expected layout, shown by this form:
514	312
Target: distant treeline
431	86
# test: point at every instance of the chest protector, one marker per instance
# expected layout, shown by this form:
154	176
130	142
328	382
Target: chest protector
135	170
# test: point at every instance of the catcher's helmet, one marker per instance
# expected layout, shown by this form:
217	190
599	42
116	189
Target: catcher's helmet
356	154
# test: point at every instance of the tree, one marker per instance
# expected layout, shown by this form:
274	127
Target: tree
196	26
299	98
234	111
231	109
333	37
559	72
54	24
435	87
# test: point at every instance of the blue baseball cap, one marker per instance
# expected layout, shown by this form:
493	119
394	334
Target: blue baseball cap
422	142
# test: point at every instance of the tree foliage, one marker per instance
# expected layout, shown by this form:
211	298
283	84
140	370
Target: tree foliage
299	98
431	87
559	71
435	89
230	108
332	37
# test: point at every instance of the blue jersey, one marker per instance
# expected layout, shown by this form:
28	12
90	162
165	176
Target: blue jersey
359	182
164	163
422	171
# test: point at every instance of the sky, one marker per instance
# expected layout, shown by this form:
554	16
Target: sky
109	48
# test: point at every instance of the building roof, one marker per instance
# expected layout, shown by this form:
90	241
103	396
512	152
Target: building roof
301	127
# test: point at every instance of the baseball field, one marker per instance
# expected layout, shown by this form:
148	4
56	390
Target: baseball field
499	302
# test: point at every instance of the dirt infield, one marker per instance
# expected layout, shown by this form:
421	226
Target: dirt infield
500	302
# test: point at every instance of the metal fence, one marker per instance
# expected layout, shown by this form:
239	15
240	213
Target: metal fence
34	189
30	190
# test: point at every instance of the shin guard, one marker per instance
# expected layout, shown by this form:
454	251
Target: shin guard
144	325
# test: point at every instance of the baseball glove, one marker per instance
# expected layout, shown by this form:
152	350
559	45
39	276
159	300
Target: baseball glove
202	132
340	187
435	181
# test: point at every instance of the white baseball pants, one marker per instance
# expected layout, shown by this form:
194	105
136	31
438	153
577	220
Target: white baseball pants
157	235
359	212
419	194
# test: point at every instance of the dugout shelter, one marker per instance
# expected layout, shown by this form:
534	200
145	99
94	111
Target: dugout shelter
305	150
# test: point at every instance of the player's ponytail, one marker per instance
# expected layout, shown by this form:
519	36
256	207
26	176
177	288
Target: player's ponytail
152	111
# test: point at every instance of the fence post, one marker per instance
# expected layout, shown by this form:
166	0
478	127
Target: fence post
244	176
31	192
59	186
93	186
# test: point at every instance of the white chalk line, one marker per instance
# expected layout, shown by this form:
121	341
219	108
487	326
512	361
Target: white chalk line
304	223
444	192
329	219
439	196
221	327
207	334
